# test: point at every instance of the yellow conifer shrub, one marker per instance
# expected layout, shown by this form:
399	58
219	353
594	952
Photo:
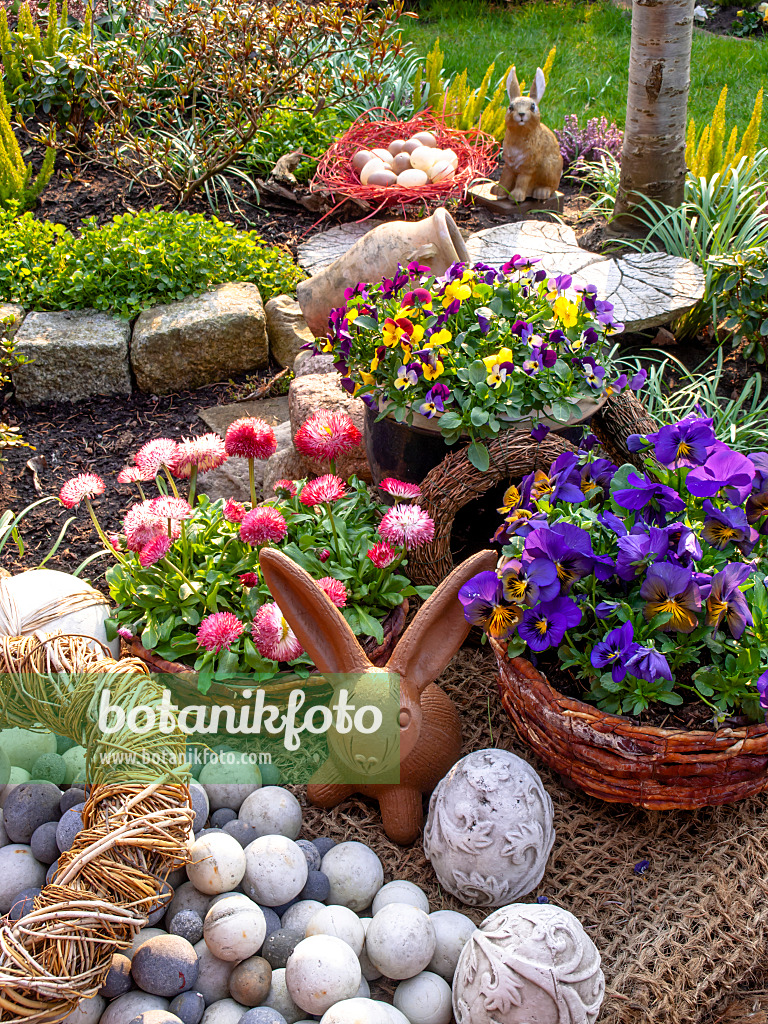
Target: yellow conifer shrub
711	154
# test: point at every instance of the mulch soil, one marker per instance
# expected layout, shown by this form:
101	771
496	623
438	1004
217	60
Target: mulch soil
722	21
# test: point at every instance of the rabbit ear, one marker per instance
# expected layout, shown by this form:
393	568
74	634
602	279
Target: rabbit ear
318	624
513	86
439	628
538	87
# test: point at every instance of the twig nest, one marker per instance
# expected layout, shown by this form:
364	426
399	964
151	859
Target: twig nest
250	981
279	998
412	179
423	158
425	999
452	931
489	831
87	1011
340	922
165	966
400	891
189	1007
22	747
274	811
361	158
534	959
400	941
229	782
234	929
30	805
425	139
18	870
373	165
216	863
225	1011
213	974
276	870
355	875
321	971
356	1011
123	1009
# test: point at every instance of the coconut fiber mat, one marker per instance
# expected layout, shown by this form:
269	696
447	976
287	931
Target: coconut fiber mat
676	902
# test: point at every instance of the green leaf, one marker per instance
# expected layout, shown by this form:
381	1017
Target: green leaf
450	421
149	637
477	372
370	626
477	454
479	417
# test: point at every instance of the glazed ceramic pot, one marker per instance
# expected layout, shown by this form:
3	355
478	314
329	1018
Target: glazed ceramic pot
435	242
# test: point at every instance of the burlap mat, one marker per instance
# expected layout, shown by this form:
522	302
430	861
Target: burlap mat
681	941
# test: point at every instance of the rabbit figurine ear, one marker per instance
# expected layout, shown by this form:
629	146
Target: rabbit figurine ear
513	86
538	87
439	628
319	626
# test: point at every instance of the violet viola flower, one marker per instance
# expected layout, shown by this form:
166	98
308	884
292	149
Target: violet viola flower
483	320
612	522
639	550
561	283
605	609
602	565
434	400
528	584
649	664
638	381
615	650
545	625
670	588
539	432
725	470
482	599
724	526
571	564
757	503
684	542
687	443
643	491
762	689
727	602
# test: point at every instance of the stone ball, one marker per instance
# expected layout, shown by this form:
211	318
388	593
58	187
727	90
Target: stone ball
49	768
87	1011
272	810
159	909
321	971
17	777
189	1007
63	743
156	1017
400	891
355	875
142	936
165	965
363	990
489	831
213	974
323	844
30	805
369	971
317	887
538	951
223	816
118	979
297	917
281	908
68	827
395	1016
452	931
216	863
71	797
244	834
270	774
4	840
425	999
234	929
263	1015
50	874
400	941
279	946
224	1011
43	842
199	801
311	852
123	1009
341	922
250	981
279	998
23	903
271	919
276	870
23	747
188	924
19	869
356	1011
228	784
187	897
74	758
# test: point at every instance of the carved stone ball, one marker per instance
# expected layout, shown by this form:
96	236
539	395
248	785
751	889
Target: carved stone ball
276	870
273	811
489	831
356	1011
234	929
400	941
341	922
355	875
321	971
535	960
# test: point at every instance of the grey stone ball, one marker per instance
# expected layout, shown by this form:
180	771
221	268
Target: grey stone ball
23	902
73	796
297	917
317	888
49	768
263	1015
19	870
187	897
279	946
324	844
43	842
244	834
126	1007
189	1007
188	924
222	817
51	872
200	806
250	981
281	908
63	744
155	1017
165	966
118	978
273	811
311	852
164	898
272	919
28	806
71	823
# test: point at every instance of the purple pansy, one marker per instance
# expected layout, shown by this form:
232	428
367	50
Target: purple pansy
670	588
724	526
687	443
724	469
484	606
727	602
570	563
643	491
639	550
539	432
649	664
614	651
762	689
545	626
530	583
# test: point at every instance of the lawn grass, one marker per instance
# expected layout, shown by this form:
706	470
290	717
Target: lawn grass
589	77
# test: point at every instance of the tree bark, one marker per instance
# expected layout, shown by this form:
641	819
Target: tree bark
653	154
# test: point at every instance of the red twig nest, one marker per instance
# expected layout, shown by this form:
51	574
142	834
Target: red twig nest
475	149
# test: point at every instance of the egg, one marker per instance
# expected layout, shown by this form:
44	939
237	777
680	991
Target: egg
440	171
410	145
361	158
373	165
424	157
412	179
426	138
383	177
448	154
402	162
384	155
396	146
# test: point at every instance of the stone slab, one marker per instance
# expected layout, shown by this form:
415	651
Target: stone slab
482	195
219	417
287	329
76	354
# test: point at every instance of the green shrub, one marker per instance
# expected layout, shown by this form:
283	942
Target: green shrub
133	262
742	298
10	360
288	128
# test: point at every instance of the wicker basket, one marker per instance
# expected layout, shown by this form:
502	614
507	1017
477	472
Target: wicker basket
611	758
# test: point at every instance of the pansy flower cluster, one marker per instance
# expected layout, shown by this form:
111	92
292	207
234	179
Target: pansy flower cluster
187	582
647	584
476	348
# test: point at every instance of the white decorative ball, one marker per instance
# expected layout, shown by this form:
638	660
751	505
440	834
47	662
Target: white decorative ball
489	831
341	922
534	958
87	1011
425	999
229	780
279	998
355	874
361	158
216	863
130	1005
400	891
412	179
224	1011
234	929
276	870
452	931
18	870
395	1016
273	811
441	170
75	762
396	146
356	1011
321	971
426	138
24	746
369	971
400	941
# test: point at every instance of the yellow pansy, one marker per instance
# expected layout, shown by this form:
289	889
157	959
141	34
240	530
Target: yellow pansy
456	290
566	311
374	364
441	337
417	334
326	345
504	355
352	315
430	373
391	333
366	378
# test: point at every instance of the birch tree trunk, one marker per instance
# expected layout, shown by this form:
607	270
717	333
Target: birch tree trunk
653	154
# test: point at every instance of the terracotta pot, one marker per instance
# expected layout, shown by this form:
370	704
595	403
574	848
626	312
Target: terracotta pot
435	242
610	757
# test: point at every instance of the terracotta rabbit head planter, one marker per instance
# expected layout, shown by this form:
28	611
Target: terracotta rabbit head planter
430	730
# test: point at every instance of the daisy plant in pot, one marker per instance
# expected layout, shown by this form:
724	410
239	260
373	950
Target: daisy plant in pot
477	350
186	580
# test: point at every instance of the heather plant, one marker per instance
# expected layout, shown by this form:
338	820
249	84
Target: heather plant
581	147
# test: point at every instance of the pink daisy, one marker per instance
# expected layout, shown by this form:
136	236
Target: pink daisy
382	555
218	631
233	511
85	485
285	488
272	635
326	435
249	579
400	489
335	590
140	526
262	524
115	540
124	633
408	525
324	489
156	549
202	453
132	475
250	438
170	508
152	456
324	555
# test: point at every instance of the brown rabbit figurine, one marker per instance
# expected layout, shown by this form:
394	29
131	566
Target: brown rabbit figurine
533	163
430	730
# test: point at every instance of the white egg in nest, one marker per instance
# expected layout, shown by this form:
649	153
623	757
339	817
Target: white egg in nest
373	165
396	146
382	178
384	155
424	157
361	158
426	139
440	171
412	179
